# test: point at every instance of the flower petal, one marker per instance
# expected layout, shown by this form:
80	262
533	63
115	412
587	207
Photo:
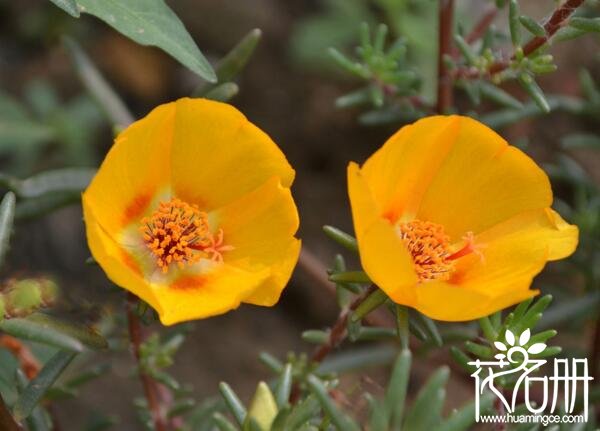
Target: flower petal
125	185
400	172
218	155
120	267
382	253
482	182
261	226
203	295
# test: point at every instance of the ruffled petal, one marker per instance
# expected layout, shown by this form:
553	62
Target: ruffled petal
134	173
482	182
218	155
400	172
382	253
119	265
197	296
260	226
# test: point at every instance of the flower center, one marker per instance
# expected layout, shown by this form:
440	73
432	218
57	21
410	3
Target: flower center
430	249
179	233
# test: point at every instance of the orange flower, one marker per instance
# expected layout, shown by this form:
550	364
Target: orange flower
191	211
453	221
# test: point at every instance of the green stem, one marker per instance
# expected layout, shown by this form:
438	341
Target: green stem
402	325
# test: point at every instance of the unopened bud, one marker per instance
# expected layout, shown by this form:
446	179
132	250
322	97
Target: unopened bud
263	408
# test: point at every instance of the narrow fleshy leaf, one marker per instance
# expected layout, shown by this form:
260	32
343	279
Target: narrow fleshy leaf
47	330
37	387
532	26
233	402
7	216
341	421
370	303
236	59
425	413
284	386
97	86
395	395
344	239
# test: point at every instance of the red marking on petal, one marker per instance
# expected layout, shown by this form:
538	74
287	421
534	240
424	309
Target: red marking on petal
131	263
136	208
189	283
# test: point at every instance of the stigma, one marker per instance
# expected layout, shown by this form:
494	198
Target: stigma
431	249
179	234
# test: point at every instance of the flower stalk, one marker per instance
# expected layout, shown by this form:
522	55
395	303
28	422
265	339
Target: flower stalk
151	388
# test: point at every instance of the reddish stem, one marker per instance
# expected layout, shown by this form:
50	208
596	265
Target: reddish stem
446	20
483	24
7	422
556	21
151	387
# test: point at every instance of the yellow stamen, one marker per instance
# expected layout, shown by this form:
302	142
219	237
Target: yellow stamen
178	233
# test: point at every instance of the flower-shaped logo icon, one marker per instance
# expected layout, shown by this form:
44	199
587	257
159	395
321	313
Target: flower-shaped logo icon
512	344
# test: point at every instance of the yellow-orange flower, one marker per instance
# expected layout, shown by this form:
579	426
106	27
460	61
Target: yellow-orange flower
453	221
191	211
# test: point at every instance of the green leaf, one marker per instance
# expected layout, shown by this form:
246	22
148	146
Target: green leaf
234	62
341	421
223	423
284	386
425	412
581	140
532	26
280	422
36	207
151	23
463	419
47	330
37	387
59	180
370	303
534	91
302	413
395	396
513	21
315	336
341	237
585	24
223	92
465	49
7	216
360	358
233	402
488	329
350	277
69	6
567	33
430	328
499	96
112	105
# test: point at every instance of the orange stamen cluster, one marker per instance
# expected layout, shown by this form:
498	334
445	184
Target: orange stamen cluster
178	233
430	248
